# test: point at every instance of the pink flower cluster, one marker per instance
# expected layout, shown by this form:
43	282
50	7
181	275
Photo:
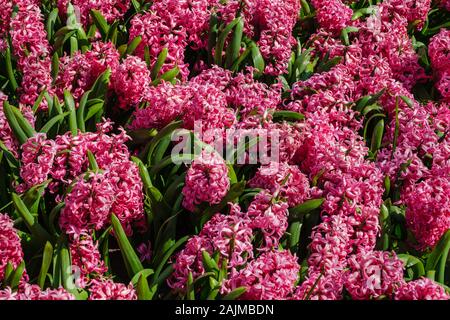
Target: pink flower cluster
206	181
10	248
438	51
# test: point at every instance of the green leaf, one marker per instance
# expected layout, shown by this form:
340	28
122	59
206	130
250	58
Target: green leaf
190	293
133	45
47	257
13	123
212	36
324	67
209	263
167	76
23	123
81	111
235	46
221	41
129	255
50	123
100	22
159	63
101	85
297	212
145	272
287	115
92	162
258	60
70	105
377	136
236	293
439	255
35	228
414	263
9	70
143	290
16	276
50	24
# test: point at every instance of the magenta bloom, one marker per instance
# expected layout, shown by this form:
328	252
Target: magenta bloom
286	179
271	276
270	217
34	292
38	154
206	181
130	80
229	235
333	15
10	247
319	286
373	275
421	289
85	255
428	210
107	289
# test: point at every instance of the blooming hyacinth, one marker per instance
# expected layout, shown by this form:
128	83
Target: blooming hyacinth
421	289
269	277
85	255
373	275
34	292
438	50
107	289
38	154
229	235
130	80
287	179
269	216
332	15
10	248
206	181
428	210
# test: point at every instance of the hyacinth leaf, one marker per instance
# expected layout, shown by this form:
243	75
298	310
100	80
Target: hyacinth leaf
236	293
113	32
92	162
368	122
161	149
300	210
397	127
168	76
129	255
30	221
143	173
50	24
12	161
439	256
377	136
47	257
73	45
70	105
327	65
170	159
159	63
287	116
143	290
232	174
147	56
305	7
221	41
23	123
234	48
383	242
15	276
100	22
133	45
50	123
414	264
13	123
190	293
212	36
168	254
209	263
101	84
7	272
145	273
81	122
38	101
66	267
408	101
94	110
362	12
258	60
168	129
373	107
9	70
345	32
33	196
241	59
136	5
294	235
